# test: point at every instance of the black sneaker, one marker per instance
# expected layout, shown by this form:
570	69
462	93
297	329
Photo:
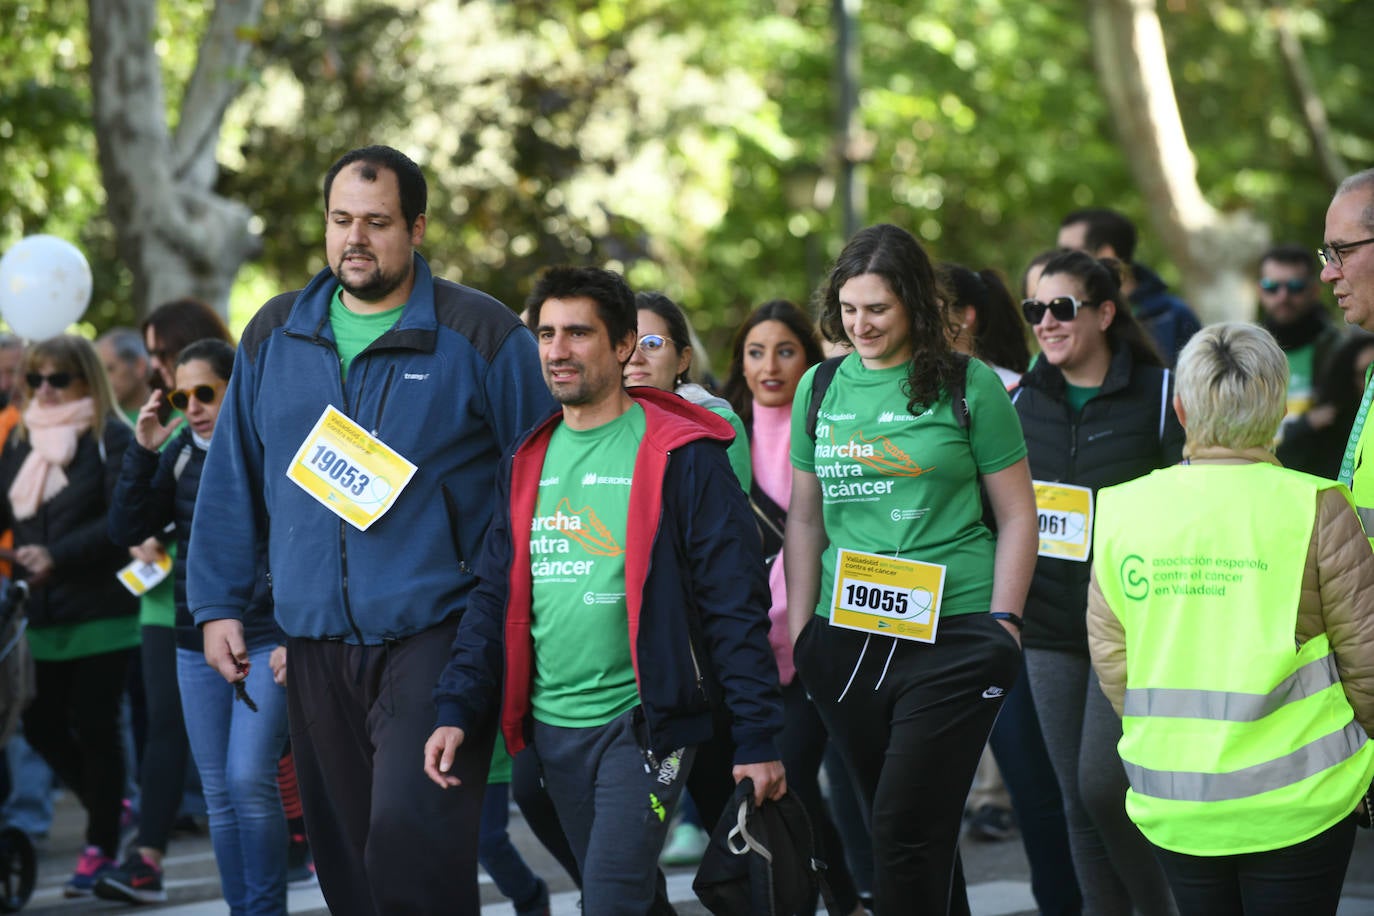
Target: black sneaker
992	824
300	866
136	881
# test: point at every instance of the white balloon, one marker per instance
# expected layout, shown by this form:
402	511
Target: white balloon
45	286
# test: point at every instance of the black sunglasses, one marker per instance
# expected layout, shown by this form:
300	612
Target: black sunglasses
1063	308
1295	285
180	397
57	380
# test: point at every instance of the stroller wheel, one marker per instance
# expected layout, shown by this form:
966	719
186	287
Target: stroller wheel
17	869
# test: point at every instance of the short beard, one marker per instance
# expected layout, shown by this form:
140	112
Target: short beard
377	287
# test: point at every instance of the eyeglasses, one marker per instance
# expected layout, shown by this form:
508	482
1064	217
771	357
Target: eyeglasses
1063	308
652	343
1294	285
181	397
57	380
1333	254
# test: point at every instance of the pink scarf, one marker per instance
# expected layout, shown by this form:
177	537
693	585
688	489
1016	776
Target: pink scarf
53	432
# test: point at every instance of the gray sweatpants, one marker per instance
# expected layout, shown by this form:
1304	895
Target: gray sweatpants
615	806
1115	864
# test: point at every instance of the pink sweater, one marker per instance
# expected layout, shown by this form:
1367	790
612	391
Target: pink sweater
773	473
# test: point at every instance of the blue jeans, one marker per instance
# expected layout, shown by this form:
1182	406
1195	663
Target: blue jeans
236	751
29	806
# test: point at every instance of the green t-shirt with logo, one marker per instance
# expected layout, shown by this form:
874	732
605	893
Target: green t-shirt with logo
1301	383
353	332
583	672
904	485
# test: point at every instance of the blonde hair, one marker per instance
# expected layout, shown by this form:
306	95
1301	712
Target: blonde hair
69	353
1233	383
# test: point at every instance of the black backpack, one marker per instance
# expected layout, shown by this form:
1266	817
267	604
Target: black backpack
825	374
762	861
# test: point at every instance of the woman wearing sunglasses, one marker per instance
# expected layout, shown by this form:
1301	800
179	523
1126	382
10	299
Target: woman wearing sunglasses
903	607
1095	412
58	471
235	743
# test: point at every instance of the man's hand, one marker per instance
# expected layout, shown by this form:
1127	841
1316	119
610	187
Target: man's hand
225	650
439	751
148	429
277	662
150	551
770	782
36	559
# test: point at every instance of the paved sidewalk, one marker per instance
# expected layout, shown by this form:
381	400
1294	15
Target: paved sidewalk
997	875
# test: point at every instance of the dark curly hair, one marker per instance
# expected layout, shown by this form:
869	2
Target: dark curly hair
894	254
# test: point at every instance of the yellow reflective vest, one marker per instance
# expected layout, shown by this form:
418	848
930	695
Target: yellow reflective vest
1235	739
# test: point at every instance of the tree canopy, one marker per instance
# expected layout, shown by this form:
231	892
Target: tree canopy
692	145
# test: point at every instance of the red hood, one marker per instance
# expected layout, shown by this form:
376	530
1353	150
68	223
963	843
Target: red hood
670	422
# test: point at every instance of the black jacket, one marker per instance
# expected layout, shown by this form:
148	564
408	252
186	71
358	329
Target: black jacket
1126	431
156	489
72	526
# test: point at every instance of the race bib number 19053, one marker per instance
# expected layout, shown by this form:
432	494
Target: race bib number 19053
351	472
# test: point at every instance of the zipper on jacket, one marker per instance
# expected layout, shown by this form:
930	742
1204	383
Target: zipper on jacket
343	575
320	340
386	389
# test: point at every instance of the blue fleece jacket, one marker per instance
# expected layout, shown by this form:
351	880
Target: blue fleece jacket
697	600
451	387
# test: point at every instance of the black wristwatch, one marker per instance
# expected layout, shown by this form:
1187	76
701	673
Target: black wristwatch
1013	619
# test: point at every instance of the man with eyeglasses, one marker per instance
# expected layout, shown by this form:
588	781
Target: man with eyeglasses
1348	265
360	434
1291	310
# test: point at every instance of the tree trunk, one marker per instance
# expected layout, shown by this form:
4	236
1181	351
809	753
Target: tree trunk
1214	251
175	234
1309	101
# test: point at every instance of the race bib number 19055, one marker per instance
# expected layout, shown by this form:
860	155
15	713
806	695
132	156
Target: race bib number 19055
351	472
886	595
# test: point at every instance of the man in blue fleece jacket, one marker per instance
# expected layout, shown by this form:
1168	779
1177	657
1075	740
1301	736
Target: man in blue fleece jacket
361	431
621	594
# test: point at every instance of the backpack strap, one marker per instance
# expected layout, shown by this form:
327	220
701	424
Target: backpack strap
825	374
958	391
799	825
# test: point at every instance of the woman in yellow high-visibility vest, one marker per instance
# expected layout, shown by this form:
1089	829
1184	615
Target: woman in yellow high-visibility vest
1231	622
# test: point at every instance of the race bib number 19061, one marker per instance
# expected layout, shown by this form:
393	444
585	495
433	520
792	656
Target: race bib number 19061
351	472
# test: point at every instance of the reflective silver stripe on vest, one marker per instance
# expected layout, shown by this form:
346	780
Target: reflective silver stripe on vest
1175	703
1308	760
1366	519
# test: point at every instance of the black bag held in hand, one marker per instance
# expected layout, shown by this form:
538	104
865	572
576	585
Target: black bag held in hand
762	861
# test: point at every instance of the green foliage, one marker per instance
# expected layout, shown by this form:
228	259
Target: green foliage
693	144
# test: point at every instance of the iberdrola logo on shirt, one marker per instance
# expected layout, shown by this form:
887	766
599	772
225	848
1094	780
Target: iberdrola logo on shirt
555	533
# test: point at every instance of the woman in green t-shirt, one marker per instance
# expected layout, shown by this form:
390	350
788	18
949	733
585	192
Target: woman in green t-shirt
891	573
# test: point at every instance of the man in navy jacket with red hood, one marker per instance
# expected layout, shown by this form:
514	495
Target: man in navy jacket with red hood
621	594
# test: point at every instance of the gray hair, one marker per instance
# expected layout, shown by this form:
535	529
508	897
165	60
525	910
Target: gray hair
11	341
1360	181
127	343
1233	383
